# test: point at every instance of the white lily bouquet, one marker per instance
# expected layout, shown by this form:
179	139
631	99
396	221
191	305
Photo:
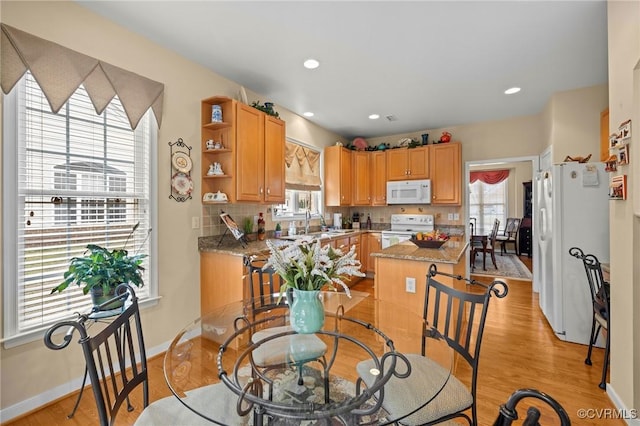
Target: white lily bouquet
306	265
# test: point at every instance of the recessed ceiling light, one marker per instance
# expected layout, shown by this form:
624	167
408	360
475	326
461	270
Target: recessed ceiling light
311	64
308	114
374	116
512	90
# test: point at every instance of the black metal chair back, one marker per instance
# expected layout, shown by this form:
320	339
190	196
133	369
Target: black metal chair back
460	317
263	288
508	411
599	290
111	356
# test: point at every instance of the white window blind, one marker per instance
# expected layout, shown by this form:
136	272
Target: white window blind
78	178
487	202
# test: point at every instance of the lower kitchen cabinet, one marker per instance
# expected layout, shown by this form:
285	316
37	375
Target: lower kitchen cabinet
221	280
371	244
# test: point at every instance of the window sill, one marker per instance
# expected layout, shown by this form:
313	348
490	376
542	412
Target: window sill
37	334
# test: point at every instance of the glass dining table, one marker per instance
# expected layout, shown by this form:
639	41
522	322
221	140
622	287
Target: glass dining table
312	378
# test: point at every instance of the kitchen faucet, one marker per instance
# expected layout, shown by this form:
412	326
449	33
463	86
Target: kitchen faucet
307	217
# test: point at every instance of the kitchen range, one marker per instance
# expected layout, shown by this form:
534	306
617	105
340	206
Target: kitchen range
404	225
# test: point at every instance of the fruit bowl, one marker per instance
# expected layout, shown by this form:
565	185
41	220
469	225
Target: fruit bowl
428	243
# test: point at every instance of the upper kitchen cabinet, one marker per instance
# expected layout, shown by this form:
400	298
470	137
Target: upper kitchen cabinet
378	178
408	163
446	177
251	154
361	178
337	176
260	159
218	145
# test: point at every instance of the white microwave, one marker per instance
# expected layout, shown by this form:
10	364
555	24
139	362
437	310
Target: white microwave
409	192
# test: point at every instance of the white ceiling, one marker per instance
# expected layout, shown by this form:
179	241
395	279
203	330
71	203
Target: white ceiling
431	64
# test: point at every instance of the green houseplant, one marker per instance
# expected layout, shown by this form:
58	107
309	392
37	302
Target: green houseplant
101	270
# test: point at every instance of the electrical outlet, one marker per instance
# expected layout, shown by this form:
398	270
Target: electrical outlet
195	222
450	216
410	284
456	216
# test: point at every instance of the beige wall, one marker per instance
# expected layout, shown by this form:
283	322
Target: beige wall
31	369
624	56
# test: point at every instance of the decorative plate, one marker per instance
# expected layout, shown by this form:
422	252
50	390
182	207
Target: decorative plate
181	162
182	183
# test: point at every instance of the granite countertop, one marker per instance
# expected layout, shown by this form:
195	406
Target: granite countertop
231	246
450	252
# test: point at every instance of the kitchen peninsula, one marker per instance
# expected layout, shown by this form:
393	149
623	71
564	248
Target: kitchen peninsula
403	267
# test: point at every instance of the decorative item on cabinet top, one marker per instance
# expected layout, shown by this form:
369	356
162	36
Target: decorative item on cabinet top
267	108
181	165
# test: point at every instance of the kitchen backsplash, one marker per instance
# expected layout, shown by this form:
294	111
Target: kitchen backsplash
380	217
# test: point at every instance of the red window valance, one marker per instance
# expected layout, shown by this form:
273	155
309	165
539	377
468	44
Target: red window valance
489	176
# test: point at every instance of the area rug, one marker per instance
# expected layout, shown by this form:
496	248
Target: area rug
509	266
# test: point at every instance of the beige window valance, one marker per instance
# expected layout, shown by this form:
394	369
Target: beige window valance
60	71
302	169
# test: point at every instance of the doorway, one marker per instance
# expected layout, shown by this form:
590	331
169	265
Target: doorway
524	170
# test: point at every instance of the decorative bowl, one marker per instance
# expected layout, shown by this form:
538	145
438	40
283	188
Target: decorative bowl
428	243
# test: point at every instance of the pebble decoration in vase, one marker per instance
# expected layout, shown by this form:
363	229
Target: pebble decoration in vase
306	312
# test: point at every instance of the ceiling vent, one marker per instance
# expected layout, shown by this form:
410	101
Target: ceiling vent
391	117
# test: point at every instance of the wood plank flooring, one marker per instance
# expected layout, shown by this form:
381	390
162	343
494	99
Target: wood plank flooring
519	351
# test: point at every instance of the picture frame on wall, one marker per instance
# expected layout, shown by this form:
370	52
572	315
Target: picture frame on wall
623	155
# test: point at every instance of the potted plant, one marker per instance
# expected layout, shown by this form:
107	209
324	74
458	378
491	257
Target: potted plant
247	227
278	231
101	270
307	267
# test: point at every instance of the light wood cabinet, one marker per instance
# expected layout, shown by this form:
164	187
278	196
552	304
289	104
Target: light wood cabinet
408	163
224	133
371	243
260	156
253	155
221	280
337	176
604	135
446	176
361	176
378	178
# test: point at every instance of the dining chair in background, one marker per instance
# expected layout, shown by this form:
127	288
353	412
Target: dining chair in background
510	235
599	291
508	411
268	312
459	317
489	247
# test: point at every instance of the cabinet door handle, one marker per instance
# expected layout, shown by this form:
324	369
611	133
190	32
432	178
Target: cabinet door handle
261	190
268	191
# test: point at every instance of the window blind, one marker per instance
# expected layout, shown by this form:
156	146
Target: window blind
81	179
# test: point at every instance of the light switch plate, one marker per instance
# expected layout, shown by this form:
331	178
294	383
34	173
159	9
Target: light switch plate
456	216
410	284
450	216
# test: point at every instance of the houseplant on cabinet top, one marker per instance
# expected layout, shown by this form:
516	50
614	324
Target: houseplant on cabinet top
101	270
306	267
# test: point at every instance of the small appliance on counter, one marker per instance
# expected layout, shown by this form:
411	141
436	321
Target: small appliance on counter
337	220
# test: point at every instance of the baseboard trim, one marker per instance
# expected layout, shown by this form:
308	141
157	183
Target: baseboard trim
617	402
59	392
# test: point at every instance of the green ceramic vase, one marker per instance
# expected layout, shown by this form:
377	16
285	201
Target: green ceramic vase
306	311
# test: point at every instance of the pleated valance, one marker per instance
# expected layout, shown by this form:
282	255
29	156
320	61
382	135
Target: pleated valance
489	176
302	167
59	71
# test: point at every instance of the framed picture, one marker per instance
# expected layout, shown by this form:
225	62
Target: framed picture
613	140
623	155
624	131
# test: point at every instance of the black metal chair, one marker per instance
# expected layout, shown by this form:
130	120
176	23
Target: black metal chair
599	290
116	362
508	411
510	235
106	355
460	317
268	311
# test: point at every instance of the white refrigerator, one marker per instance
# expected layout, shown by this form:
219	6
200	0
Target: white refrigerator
572	211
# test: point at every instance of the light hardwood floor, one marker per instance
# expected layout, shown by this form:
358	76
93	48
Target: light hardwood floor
519	351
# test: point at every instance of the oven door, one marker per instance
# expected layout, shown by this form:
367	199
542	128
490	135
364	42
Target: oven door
391	238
